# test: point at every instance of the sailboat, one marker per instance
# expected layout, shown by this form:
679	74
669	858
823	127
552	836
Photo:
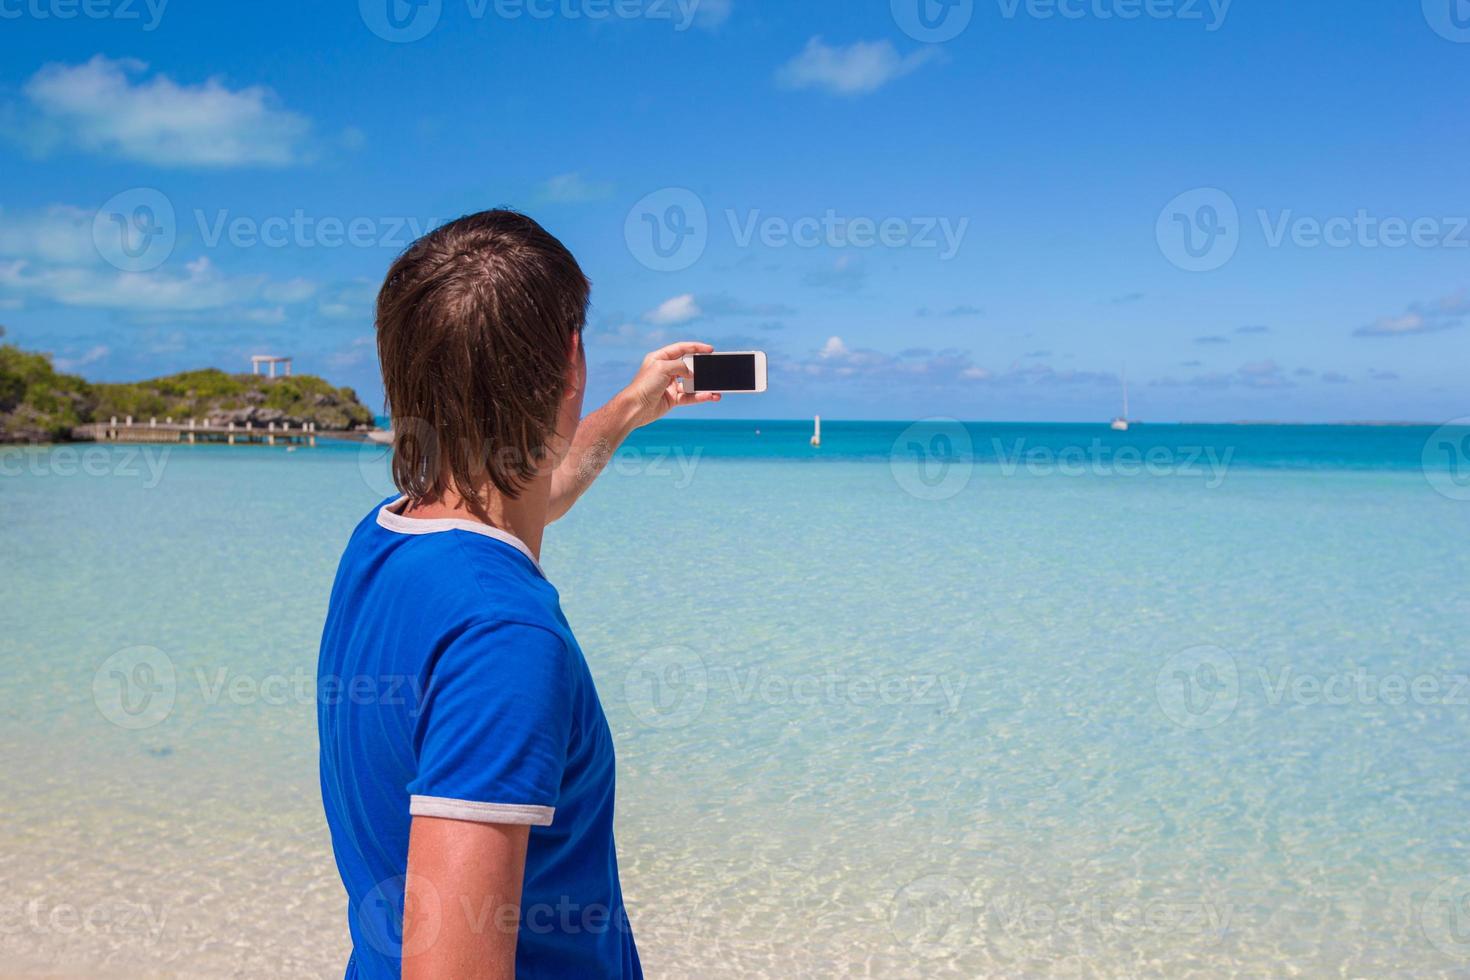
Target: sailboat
817	432
1120	424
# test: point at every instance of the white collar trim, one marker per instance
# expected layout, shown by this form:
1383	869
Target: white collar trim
389	518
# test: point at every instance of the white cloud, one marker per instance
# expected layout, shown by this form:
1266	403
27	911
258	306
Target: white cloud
710	14
291	291
60	233
618	333
845	273
572	188
1254	374
92	356
200	287
354	300
1442	314
1392	326
48	255
355	352
677	309
859	68
105	106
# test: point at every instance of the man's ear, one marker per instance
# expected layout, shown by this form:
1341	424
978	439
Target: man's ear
576	379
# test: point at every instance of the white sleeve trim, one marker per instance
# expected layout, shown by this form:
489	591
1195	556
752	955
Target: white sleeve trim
512	813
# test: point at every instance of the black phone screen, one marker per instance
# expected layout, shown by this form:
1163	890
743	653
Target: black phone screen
724	372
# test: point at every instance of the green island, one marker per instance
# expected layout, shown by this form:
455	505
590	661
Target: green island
40	404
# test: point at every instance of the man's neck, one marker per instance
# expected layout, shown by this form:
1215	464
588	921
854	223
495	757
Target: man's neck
524	516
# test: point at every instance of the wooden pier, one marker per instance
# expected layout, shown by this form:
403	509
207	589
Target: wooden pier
198	430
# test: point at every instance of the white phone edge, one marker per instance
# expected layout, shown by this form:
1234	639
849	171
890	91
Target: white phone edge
760	373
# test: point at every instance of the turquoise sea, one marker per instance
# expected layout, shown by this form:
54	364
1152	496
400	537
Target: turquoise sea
937	700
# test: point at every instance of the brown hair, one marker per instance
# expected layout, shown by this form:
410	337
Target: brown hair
475	324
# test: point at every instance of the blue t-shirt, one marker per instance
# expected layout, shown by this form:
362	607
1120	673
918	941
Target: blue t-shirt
450	685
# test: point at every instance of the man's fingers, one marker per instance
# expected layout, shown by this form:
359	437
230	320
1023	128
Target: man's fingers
698	397
683	347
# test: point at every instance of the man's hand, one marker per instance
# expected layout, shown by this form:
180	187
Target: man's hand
650	395
655	389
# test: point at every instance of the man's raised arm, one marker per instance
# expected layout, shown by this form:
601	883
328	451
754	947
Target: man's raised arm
652	393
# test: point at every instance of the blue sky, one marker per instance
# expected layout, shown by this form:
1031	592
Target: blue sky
988	211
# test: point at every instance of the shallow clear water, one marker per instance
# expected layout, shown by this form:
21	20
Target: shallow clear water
903	706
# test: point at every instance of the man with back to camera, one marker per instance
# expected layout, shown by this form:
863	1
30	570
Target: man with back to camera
471	818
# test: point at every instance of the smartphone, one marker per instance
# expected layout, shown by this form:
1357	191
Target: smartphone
727	371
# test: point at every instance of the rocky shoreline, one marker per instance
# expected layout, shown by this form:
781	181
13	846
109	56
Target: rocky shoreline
39	404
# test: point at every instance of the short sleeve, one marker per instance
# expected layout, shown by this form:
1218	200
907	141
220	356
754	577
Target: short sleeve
492	738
